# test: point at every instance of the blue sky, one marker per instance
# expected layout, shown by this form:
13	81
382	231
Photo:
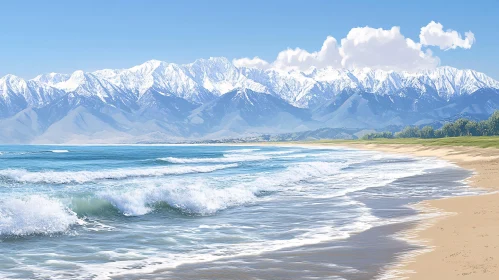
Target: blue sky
64	36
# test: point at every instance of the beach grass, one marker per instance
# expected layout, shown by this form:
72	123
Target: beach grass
472	141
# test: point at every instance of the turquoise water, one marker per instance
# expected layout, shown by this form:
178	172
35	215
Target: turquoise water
96	212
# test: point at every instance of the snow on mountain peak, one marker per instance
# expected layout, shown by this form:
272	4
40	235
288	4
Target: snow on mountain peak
14	82
75	80
11	85
204	79
148	66
205	96
51	78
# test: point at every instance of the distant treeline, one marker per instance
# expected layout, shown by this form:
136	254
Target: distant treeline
461	127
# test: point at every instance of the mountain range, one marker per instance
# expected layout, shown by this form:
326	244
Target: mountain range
212	99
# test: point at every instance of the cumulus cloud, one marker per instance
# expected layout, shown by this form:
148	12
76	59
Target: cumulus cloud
379	48
255	62
299	59
383	49
434	35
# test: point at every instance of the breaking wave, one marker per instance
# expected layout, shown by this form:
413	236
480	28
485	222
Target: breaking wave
34	214
64	177
201	197
232	156
225	159
239	151
195	198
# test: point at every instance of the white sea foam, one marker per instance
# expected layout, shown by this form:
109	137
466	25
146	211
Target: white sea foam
34	214
204	197
240	151
297	156
158	261
234	156
241	155
274	153
289	179
59	151
227	158
63	177
192	197
298	183
222	226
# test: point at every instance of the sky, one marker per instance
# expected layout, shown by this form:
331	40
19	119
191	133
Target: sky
63	36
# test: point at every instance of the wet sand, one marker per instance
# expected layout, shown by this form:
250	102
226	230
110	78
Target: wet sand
360	257
464	242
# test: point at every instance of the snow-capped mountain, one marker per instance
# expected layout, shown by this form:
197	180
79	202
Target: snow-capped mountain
198	82
212	98
17	94
206	79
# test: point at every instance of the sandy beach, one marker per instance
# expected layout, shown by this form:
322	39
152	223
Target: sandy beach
463	243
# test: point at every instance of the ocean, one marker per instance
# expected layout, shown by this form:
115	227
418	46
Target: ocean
209	212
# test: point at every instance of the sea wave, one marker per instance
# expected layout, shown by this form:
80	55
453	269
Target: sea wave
225	159
275	153
64	177
297	173
206	197
59	151
233	156
90	205
20	153
194	198
240	151
311	235
34	214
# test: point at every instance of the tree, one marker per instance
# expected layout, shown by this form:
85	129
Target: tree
409	132
448	130
483	128
493	123
375	135
472	129
427	132
460	127
439	133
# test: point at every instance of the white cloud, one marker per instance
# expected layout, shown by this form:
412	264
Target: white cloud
379	48
434	35
299	59
383	49
255	62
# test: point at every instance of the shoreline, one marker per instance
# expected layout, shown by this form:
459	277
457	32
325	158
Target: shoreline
462	241
457	238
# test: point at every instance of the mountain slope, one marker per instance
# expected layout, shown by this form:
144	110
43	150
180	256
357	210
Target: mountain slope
17	94
211	98
244	110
